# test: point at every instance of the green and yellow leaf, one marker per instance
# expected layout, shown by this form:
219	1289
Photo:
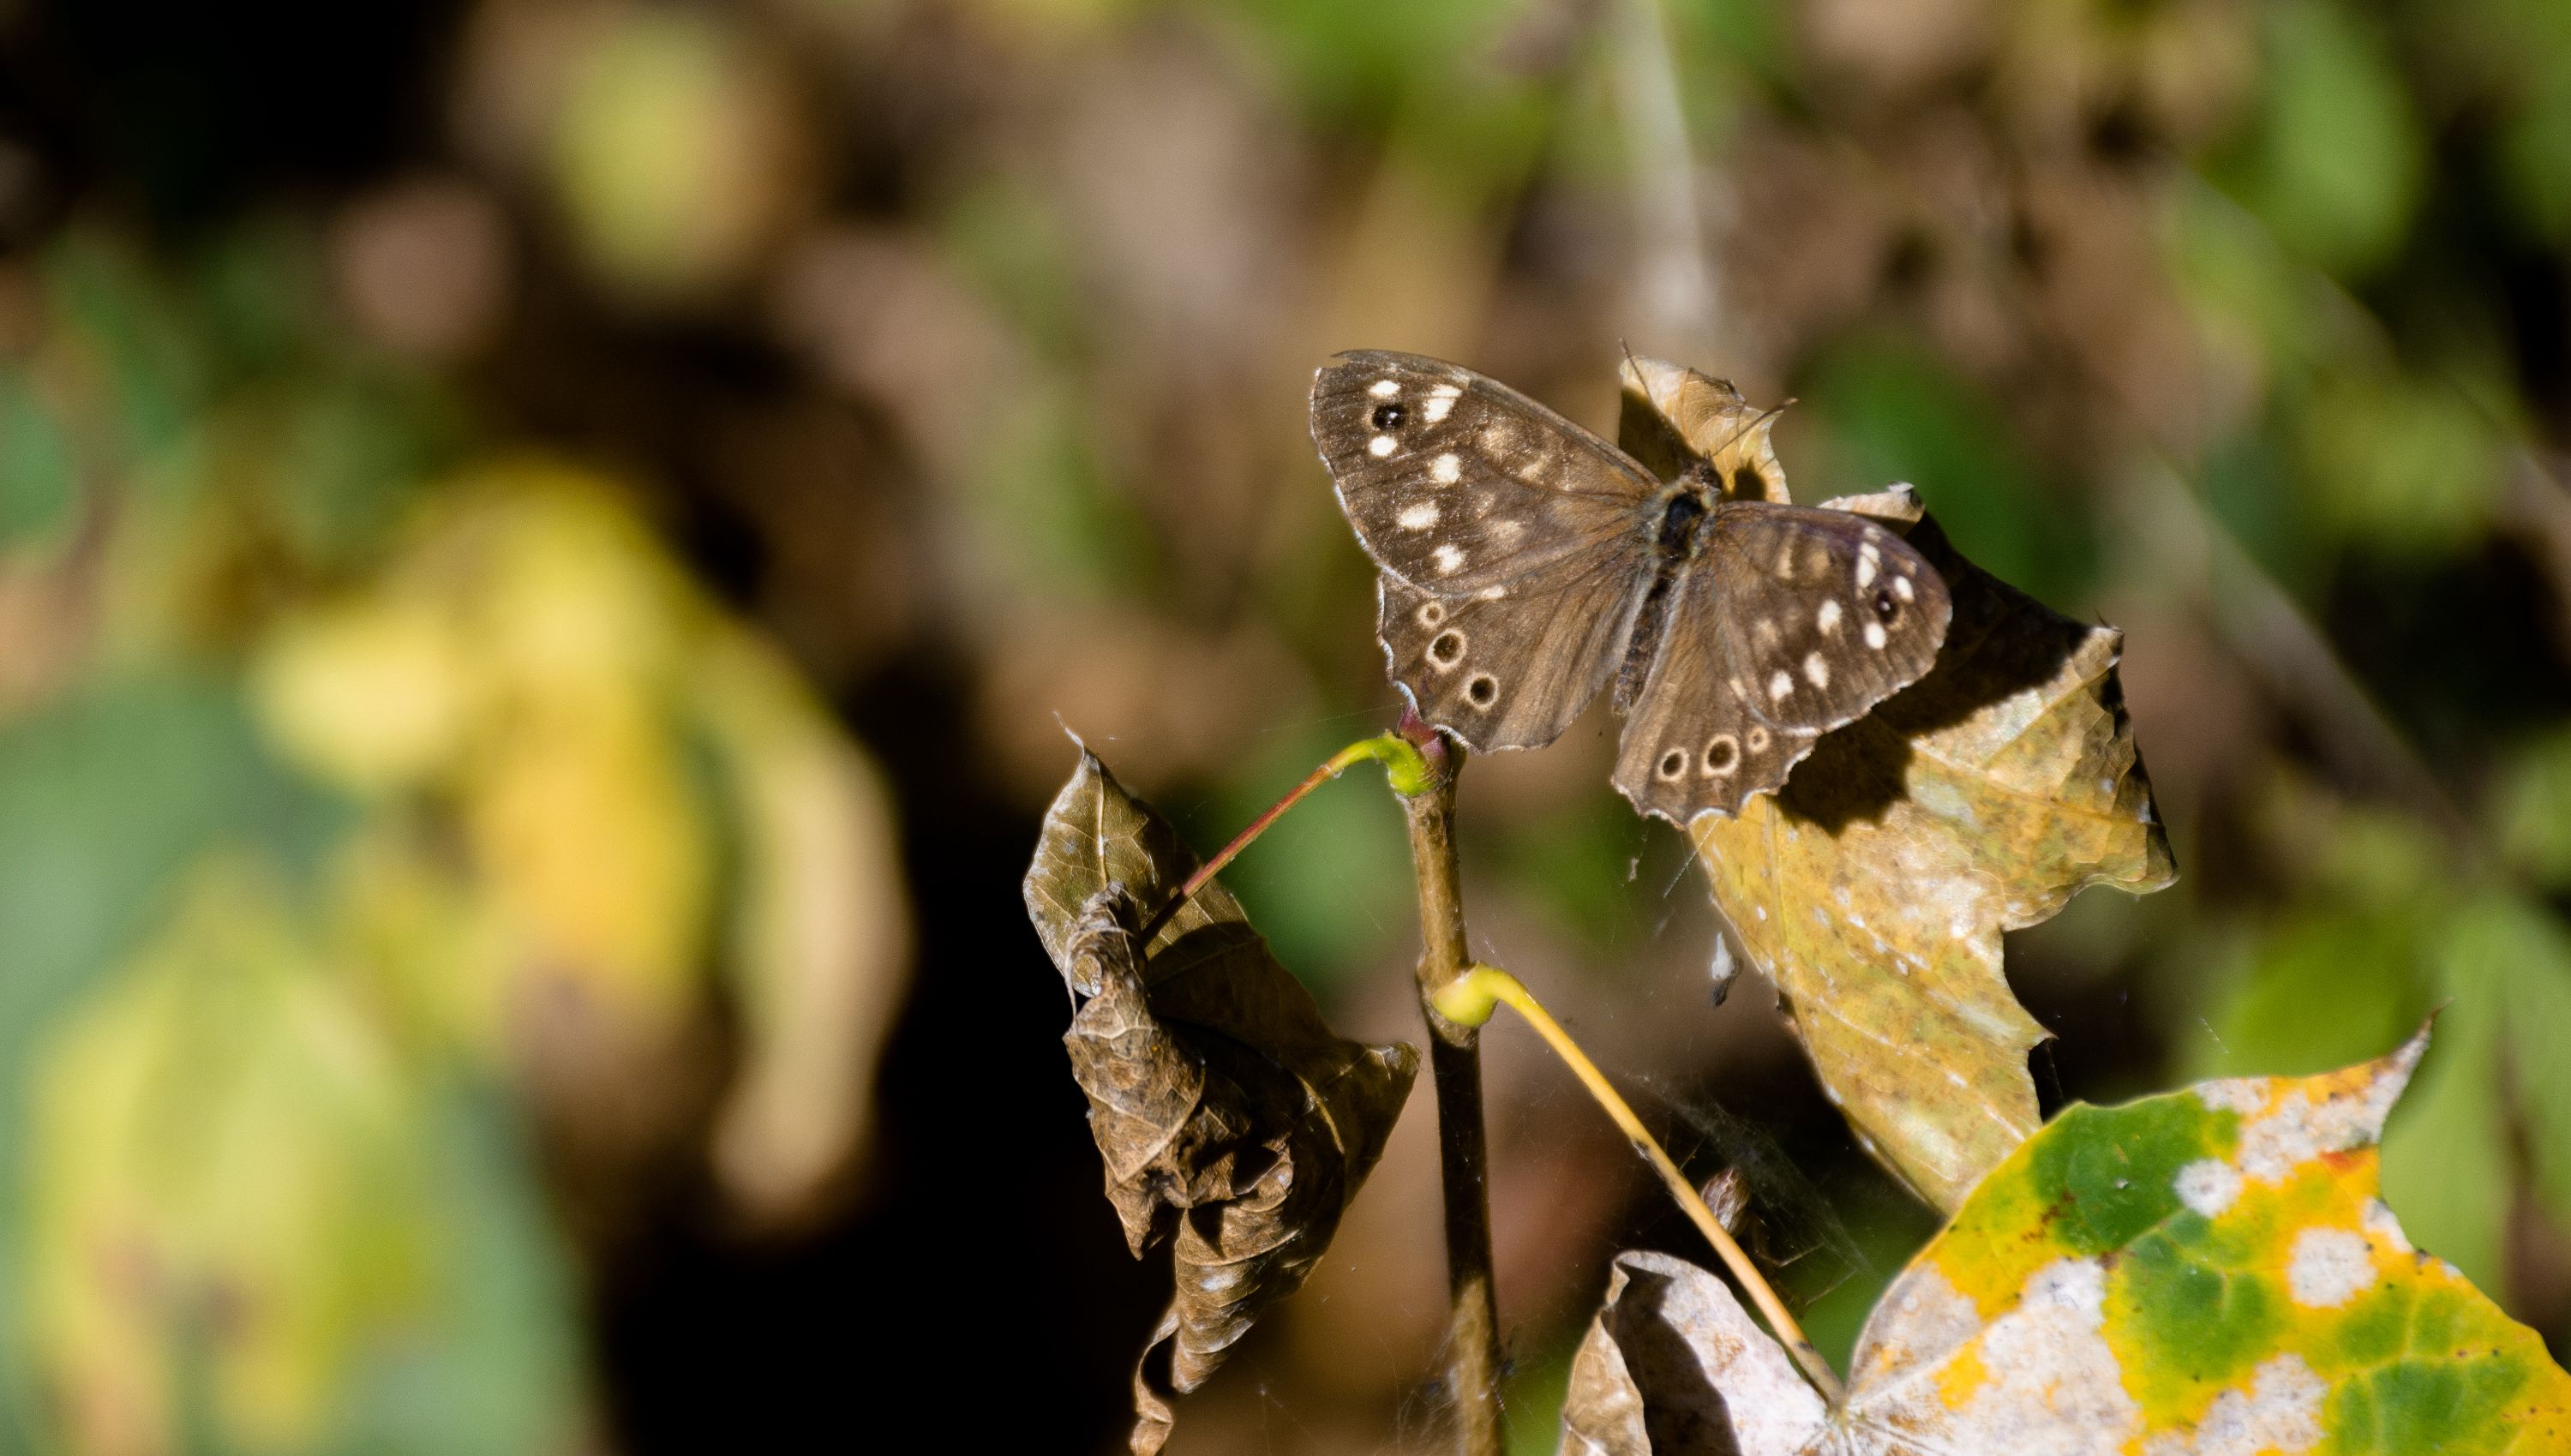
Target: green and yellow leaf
2211	1270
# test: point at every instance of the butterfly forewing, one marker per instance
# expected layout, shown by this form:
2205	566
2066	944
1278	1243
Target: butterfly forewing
1790	623
1509	671
1457	483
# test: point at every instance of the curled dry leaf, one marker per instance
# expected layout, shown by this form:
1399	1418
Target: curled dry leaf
2210	1270
1234	1123
1872	889
1672	1366
1673	417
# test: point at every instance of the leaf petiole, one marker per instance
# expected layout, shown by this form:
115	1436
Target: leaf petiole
1470	997
1403	765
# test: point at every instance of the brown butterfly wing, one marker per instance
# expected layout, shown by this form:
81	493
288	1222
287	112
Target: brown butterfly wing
1509	666
1456	483
1790	622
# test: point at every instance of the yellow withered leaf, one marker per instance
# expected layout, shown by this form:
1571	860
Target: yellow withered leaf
1872	889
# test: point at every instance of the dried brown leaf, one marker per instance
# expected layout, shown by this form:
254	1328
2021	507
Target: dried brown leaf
1673	417
1673	1366
1234	1123
1872	888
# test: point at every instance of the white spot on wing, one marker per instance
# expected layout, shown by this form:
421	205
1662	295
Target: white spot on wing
1437	407
1506	532
1449	560
1874	637
1901	588
1445	469
1867	559
1384	388
1417	516
1816	672
1780	684
1380	446
1829	617
2328	1268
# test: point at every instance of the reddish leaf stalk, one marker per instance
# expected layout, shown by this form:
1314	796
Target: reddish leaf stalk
1402	761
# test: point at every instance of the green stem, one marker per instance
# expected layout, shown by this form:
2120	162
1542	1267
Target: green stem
1469	1000
1409	772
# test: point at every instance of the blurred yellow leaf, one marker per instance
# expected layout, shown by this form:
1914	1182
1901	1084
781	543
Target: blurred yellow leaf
675	150
226	1169
373	695
821	937
583	826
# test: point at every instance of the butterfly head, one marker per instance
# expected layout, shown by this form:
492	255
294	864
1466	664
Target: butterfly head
1682	506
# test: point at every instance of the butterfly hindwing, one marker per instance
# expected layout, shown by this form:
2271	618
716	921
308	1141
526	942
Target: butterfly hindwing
1456	483
1790	623
1513	670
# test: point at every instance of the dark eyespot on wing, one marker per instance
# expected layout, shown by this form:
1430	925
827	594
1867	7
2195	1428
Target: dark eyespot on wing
1509	671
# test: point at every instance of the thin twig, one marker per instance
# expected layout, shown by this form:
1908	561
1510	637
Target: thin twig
1455	1067
1468	999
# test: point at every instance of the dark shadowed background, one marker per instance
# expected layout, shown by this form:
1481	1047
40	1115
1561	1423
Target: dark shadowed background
547	551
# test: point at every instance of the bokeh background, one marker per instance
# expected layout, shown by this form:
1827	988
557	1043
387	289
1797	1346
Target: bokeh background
547	551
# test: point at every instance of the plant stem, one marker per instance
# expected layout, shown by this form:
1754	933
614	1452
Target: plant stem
1467	1000
1402	764
1455	1066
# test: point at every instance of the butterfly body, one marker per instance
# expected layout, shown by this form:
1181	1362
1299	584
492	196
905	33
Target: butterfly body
1528	563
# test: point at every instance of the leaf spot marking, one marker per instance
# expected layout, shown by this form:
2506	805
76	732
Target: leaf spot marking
2208	1186
2328	1268
2280	1412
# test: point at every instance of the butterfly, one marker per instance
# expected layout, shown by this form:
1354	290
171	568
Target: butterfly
1527	563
